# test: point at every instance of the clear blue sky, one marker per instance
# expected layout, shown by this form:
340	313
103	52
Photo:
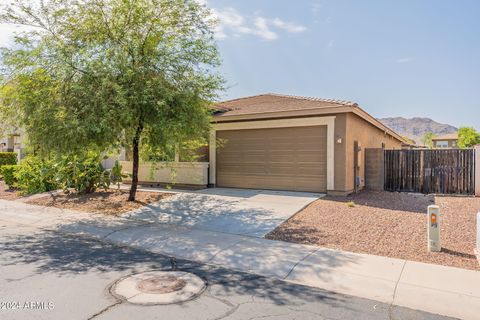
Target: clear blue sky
395	58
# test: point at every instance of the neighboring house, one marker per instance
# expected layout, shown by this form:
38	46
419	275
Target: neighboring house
445	141
6	144
13	141
282	142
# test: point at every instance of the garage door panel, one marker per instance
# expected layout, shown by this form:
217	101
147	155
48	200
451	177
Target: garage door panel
258	169
310	157
280	183
280	158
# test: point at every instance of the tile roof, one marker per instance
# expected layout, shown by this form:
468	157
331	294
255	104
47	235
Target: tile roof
272	102
450	136
269	103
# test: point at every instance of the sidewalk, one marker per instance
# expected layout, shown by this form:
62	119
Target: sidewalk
436	289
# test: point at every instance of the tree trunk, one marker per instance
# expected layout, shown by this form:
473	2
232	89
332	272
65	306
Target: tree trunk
136	161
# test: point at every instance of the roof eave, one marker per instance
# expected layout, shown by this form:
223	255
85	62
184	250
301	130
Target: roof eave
366	116
309	112
281	114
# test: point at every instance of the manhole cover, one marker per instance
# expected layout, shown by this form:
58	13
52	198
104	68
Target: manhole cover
161	284
159	287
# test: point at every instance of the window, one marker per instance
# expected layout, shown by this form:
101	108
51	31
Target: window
441	144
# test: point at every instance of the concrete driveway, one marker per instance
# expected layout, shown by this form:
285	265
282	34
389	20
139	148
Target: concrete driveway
236	211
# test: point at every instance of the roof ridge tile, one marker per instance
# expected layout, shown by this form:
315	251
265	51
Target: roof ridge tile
337	101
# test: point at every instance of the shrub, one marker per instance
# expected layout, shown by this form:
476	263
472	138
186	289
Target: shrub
85	173
116	174
36	175
8	173
8	158
351	204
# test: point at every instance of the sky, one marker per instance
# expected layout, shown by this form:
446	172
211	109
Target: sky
406	58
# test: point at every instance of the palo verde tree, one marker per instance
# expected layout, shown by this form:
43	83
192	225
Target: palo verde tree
468	137
98	74
427	139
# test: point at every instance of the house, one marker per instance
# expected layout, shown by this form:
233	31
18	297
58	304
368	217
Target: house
13	141
282	142
446	141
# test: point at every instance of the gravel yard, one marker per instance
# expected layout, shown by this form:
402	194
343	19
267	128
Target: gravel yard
111	202
387	224
6	193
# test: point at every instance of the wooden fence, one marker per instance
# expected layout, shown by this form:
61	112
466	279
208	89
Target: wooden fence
449	171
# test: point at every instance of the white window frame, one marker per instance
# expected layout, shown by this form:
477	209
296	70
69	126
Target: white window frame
441	144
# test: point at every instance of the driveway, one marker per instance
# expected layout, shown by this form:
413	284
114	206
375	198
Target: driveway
236	211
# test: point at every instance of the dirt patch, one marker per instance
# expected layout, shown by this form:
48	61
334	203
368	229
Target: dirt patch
387	224
112	202
8	194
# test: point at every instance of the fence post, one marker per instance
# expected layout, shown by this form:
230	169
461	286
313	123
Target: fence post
477	170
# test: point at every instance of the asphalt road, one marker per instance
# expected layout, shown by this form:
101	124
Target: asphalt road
47	275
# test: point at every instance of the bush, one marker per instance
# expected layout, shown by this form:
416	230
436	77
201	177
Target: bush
36	175
85	174
8	158
116	174
8	173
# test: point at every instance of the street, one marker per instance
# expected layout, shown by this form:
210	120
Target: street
49	275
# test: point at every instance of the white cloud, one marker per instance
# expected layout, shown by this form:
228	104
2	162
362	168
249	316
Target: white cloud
288	26
229	19
405	60
262	29
232	22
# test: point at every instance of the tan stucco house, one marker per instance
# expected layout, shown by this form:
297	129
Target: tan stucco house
13	141
281	142
446	141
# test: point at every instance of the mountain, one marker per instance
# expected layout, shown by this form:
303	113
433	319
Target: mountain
415	128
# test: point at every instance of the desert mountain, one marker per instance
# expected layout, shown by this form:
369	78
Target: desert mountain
415	128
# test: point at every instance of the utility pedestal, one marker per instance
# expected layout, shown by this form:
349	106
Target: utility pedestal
433	229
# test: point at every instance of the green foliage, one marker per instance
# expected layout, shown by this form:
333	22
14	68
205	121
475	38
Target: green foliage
116	174
8	174
427	139
83	173
8	158
187	151
350	204
468	137
100	73
35	175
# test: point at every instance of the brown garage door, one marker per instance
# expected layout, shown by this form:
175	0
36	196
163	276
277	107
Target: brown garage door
278	159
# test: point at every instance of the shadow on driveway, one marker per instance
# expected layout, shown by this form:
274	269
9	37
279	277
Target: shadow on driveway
222	214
